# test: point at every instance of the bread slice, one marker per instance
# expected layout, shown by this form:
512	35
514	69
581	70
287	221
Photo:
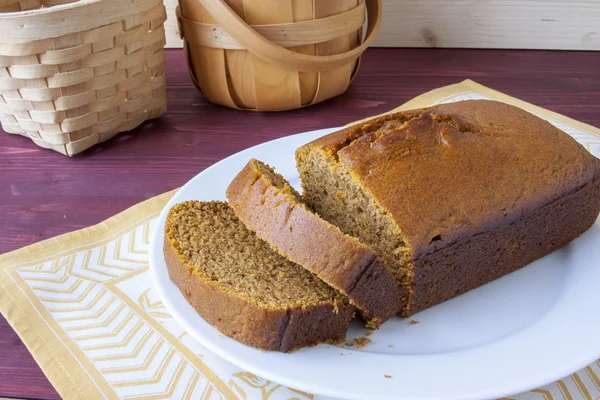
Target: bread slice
243	288
453	196
269	206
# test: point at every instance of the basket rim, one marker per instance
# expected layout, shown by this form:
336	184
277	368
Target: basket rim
46	10
297	33
49	22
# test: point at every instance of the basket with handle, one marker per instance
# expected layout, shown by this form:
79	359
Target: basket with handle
275	55
74	73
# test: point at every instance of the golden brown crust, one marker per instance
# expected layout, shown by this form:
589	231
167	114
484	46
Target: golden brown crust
458	169
279	218
478	189
473	262
247	322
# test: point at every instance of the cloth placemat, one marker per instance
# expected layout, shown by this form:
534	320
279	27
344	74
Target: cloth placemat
84	305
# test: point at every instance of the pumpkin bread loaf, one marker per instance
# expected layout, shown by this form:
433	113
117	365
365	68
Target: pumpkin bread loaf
243	288
453	196
269	206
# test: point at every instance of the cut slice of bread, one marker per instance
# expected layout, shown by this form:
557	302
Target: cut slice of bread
238	284
269	206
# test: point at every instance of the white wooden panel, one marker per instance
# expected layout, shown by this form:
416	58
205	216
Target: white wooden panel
171	31
521	24
536	24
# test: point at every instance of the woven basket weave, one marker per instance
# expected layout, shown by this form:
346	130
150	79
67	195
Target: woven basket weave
275	55
76	73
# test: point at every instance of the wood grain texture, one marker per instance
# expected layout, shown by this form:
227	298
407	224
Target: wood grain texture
44	194
335	81
506	24
19	374
275	88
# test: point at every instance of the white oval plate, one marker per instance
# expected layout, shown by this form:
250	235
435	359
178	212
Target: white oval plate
525	330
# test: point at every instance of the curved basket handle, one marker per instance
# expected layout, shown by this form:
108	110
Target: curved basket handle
282	57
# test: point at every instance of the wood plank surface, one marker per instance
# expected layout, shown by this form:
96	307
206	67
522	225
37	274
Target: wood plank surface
44	194
505	24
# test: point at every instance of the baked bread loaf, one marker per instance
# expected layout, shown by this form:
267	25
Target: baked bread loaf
243	288
453	196
269	206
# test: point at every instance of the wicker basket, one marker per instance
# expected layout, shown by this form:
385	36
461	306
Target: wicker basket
76	73
294	53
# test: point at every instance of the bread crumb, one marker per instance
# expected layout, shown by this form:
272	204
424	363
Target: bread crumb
390	346
349	344
388	376
369	333
220	335
362	341
341	354
414	322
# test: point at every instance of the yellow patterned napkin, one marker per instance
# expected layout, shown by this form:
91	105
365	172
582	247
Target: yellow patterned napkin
84	306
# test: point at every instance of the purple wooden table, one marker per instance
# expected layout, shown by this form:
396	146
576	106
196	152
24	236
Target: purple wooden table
44	194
